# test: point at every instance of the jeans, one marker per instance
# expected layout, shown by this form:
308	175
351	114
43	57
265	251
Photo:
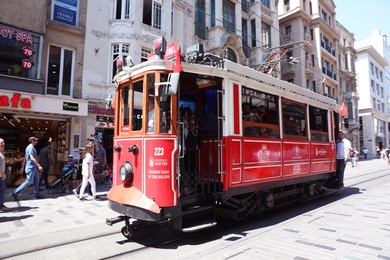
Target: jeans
340	168
31	176
2	192
44	175
352	161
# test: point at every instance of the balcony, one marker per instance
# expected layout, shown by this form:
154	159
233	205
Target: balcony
308	44
287	39
329	73
328	48
287	69
309	69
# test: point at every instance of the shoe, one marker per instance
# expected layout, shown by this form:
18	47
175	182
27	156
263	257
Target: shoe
75	193
82	198
15	196
5	209
40	189
39	196
97	198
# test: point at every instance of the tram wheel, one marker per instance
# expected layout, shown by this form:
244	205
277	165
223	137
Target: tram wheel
269	200
310	189
127	231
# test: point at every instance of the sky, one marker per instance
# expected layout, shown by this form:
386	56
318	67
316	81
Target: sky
360	17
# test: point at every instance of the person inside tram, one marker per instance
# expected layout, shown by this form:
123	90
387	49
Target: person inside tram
246	112
297	130
265	117
151	115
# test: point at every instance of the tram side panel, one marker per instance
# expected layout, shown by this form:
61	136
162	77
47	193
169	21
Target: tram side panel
251	161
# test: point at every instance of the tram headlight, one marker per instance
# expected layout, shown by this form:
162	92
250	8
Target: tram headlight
126	173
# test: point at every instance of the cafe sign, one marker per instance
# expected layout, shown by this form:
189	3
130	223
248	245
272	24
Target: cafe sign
70	106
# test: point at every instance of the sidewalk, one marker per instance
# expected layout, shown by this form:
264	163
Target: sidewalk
58	211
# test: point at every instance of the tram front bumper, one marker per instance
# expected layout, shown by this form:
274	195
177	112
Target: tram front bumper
131	196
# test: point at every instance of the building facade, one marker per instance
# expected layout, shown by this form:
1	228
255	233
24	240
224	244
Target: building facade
349	95
370	65
41	53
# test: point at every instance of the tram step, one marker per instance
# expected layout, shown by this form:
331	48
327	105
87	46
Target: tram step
197	209
199	227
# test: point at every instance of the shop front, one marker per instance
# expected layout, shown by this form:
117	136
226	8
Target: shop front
50	118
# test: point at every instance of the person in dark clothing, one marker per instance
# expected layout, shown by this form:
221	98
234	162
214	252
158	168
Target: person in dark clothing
45	160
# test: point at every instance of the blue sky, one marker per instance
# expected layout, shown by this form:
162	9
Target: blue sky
360	17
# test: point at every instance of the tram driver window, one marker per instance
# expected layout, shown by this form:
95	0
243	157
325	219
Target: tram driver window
294	119
136	114
125	106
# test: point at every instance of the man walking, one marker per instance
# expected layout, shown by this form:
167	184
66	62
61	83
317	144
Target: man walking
365	152
101	158
343	151
45	160
3	176
31	169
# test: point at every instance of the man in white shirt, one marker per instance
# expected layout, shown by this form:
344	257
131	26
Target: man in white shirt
343	151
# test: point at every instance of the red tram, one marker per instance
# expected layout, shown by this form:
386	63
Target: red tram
206	138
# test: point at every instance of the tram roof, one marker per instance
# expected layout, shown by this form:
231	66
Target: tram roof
243	75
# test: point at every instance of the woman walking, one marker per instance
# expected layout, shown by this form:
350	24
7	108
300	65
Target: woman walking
87	172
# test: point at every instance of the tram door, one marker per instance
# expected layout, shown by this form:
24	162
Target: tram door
199	136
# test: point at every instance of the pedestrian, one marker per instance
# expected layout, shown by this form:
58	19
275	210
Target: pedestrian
343	151
3	176
79	175
101	158
87	172
352	157
365	152
45	159
355	156
31	169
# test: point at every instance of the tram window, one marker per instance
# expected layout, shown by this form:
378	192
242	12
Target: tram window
259	113
318	119
136	114
294	118
125	105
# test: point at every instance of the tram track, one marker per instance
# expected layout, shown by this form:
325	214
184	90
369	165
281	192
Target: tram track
111	244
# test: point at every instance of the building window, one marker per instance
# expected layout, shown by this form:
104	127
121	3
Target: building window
324	16
253	32
264	2
288	30
152	13
376	73
286	5
229	16
381	76
119	50
60	71
372	86
200	19
266	35
231	55
144	54
65	12
122	9
372	68
212	13
19	57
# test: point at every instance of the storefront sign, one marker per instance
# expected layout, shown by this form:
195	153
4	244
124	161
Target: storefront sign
70	106
15	101
64	15
28	51
7	32
27	64
105	121
99	110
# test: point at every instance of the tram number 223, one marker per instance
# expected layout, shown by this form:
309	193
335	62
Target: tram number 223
158	151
